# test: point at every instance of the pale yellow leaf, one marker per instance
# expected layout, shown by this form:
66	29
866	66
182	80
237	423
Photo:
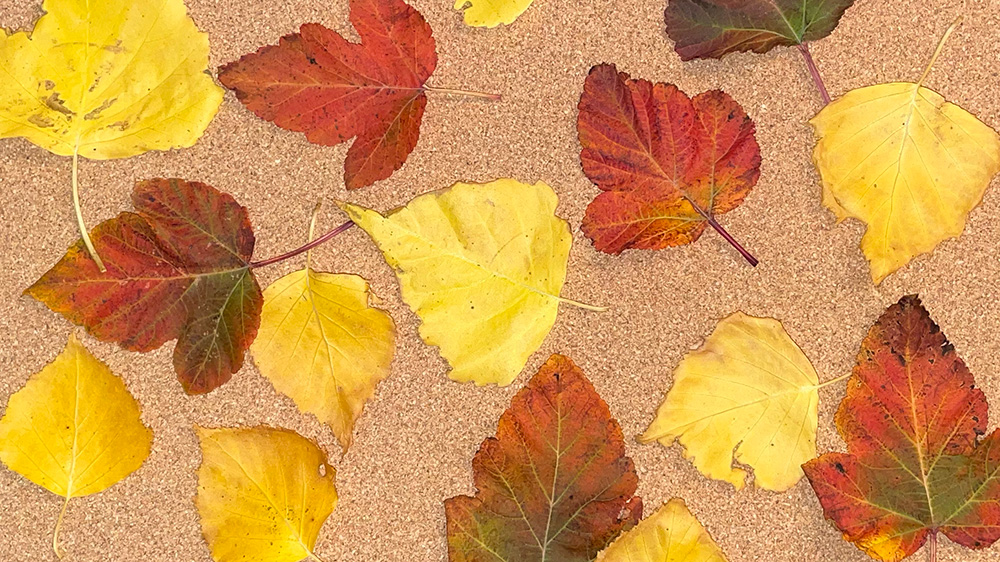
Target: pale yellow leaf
322	345
491	13
107	79
907	163
263	494
749	394
482	265
73	428
672	534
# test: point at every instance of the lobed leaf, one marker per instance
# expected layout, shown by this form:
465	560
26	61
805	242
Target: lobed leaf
554	484
672	534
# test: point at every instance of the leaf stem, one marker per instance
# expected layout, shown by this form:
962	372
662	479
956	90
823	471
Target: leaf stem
469	93
833	381
304	248
932	547
940	47
814	72
55	532
583	305
729	238
79	215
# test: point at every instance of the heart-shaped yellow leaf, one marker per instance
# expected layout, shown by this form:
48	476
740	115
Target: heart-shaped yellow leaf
491	13
73	429
482	265
322	345
263	494
749	394
672	534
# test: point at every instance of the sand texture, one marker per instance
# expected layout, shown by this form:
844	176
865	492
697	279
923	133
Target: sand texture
414	443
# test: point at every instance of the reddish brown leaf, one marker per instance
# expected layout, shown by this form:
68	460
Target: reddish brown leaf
178	268
667	164
318	83
554	484
912	419
713	28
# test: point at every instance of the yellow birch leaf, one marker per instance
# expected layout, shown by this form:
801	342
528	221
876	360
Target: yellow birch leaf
73	428
907	163
491	13
749	394
322	345
672	534
263	494
482	265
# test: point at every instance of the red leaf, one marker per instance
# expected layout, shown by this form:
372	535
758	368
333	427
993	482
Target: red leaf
912	419
667	164
178	268
318	83
554	484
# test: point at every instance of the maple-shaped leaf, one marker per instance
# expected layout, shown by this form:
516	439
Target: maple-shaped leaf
554	484
178	268
668	164
318	83
915	465
713	28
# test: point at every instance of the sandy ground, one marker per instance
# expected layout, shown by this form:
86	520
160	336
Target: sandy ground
414	444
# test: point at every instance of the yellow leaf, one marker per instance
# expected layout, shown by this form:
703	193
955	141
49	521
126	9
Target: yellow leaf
322	345
263	494
491	13
107	79
73	428
907	163
671	534
747	393
482	265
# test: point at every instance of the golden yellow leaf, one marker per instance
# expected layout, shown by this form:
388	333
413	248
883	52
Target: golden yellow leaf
482	265
907	163
491	13
263	494
107	79
749	394
322	345
672	534
73	428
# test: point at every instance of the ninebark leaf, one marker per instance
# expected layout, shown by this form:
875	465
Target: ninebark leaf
263	494
321	344
713	28
915	465
554	484
667	164
73	428
482	265
318	83
178	268
672	534
748	394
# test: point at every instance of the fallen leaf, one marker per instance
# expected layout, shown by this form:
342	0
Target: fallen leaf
482	265
667	164
916	466
671	534
321	344
713	28
749	395
263	494
554	484
179	269
73	429
107	79
907	163
491	13
318	83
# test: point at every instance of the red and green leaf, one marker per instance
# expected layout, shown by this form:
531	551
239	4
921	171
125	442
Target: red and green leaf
177	268
318	83
554	484
668	164
915	465
713	28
